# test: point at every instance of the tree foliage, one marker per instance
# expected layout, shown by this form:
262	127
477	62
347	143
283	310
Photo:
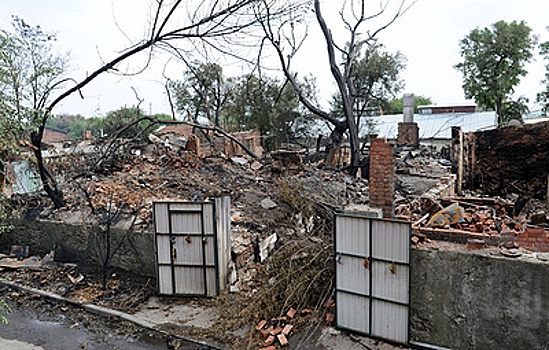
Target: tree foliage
30	72
543	96
268	105
376	76
202	93
376	80
493	63
240	103
396	106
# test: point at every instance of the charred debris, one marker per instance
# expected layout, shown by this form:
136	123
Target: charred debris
281	270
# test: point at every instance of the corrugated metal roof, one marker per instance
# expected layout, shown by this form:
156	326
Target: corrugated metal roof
436	125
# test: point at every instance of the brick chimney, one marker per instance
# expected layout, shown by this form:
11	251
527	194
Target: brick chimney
408	131
382	176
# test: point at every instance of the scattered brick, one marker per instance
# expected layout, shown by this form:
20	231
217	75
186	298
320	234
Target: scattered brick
269	341
287	329
291	313
476	244
261	325
276	331
282	339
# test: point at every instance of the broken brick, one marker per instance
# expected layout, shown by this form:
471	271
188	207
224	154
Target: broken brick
266	332
291	313
287	329
261	325
282	339
475	244
276	331
269	348
269	341
535	231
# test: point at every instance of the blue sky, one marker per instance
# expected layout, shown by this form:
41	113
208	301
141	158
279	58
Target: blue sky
428	35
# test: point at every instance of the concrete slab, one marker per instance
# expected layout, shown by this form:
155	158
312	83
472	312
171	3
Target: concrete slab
187	315
17	345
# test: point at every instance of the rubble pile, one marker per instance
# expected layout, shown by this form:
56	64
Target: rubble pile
421	162
480	221
281	215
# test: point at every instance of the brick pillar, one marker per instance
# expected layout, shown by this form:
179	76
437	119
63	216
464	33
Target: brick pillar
382	176
408	134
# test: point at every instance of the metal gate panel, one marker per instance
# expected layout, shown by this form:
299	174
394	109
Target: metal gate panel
356	244
186	248
372	276
353	312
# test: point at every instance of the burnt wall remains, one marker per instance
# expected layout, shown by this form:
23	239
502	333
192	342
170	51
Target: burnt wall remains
508	160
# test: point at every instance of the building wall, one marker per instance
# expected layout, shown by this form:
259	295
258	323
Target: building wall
75	243
462	300
459	299
506	160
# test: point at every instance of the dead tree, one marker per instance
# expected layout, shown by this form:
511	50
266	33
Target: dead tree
209	27
354	16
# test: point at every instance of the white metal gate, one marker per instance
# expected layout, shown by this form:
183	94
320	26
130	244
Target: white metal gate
192	246
372	276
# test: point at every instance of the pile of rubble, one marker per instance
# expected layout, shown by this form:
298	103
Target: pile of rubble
481	221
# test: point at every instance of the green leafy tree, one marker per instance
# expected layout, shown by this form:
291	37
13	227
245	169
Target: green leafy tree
543	97
493	63
202	93
515	109
133	122
30	72
73	125
375	76
396	106
270	106
376	79
361	23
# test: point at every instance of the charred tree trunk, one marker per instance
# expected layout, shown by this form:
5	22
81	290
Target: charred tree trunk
48	180
336	138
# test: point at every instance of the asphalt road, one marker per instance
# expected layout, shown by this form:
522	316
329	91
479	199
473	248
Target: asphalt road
29	329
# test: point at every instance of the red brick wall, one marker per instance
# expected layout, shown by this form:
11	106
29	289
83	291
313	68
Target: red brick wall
382	176
535	239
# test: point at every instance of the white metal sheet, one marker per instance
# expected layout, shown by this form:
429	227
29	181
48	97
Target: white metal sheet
390	281
165	280
188	250
352	235
223	216
353	275
353	312
185	206
161	217
163	249
391	240
209	218
390	321
190	223
189	280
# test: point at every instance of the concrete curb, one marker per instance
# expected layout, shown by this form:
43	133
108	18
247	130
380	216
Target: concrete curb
103	311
